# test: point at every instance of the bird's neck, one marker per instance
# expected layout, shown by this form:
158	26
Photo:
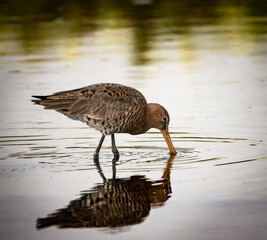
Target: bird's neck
146	122
150	116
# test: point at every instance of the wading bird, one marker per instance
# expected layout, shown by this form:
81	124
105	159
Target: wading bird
110	108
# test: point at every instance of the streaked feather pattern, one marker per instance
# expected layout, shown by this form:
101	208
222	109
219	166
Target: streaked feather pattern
107	107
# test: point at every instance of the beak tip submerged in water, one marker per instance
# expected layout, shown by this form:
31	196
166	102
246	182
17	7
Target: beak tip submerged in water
168	140
173	153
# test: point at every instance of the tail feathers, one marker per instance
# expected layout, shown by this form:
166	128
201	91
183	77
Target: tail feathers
40	98
54	104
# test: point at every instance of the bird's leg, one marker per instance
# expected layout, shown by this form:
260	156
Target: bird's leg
114	148
96	153
114	168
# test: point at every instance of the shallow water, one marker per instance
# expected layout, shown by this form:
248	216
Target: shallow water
206	63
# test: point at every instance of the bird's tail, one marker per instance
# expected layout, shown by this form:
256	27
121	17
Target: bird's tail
54	102
39	99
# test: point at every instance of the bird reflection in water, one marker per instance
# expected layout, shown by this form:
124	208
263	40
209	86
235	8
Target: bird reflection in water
114	203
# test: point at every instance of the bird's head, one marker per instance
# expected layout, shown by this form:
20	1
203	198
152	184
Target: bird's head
159	118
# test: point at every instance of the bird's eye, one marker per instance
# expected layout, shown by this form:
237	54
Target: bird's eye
164	119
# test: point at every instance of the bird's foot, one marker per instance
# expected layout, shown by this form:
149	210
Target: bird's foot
96	156
116	156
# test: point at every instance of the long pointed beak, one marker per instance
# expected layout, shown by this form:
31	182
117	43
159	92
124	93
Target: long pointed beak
168	140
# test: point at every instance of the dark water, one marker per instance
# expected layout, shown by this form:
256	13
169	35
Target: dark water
205	61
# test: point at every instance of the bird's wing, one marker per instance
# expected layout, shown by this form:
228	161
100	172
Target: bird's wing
99	101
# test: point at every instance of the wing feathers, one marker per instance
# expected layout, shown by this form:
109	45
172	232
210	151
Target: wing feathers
99	101
79	107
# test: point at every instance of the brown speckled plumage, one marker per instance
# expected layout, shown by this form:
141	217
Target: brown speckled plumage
110	108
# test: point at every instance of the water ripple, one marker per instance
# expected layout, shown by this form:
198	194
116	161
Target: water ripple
148	153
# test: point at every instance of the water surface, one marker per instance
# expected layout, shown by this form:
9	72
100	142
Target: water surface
205	62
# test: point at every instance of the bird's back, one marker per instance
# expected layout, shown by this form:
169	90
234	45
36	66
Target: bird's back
108	107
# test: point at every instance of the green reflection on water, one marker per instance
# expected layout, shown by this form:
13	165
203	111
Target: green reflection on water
46	26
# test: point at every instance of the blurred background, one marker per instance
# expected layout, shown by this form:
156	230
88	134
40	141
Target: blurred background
140	27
